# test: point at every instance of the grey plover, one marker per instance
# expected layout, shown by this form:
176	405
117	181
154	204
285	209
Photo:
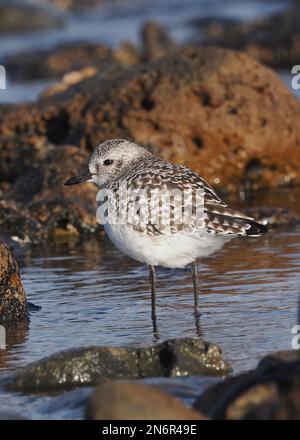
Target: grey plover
160	228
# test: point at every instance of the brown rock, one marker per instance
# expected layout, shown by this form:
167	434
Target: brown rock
127	54
56	62
218	111
269	392
13	306
156	41
133	401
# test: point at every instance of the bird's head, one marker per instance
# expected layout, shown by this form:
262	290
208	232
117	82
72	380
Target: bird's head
109	161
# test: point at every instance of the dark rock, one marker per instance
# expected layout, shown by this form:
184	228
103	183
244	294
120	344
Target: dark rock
274	40
182	357
236	113
39	206
74	57
19	18
269	392
132	401
18	223
54	63
156	41
13	306
89	366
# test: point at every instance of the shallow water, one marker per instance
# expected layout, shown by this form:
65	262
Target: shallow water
92	294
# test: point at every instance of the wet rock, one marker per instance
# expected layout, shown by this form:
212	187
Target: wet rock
240	126
156	41
182	357
269	392
39	206
56	62
274	217
260	38
132	401
19	224
78	367
89	366
19	18
13	306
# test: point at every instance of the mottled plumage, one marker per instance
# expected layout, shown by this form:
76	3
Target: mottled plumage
151	172
172	216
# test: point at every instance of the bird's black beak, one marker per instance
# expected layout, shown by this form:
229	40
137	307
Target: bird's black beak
80	178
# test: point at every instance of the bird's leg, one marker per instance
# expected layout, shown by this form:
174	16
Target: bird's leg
152	277
195	287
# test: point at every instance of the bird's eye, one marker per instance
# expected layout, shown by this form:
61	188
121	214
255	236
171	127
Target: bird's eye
108	162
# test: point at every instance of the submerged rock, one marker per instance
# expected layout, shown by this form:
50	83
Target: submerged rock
239	130
13	306
269	392
132	401
89	366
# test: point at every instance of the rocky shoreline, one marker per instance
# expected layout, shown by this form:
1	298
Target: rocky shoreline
240	132
240	128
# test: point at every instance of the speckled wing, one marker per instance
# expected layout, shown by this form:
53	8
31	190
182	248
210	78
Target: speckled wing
222	220
193	206
171	198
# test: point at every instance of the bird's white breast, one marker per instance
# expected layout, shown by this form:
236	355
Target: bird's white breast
173	250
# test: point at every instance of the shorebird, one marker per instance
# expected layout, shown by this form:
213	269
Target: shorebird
161	227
